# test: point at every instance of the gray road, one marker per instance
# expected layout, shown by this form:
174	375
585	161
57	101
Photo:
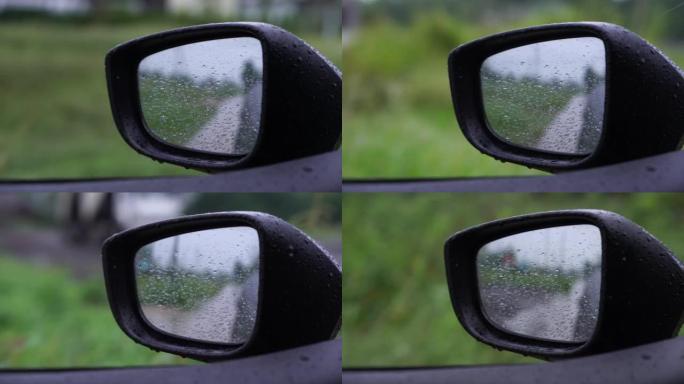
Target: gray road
564	133
212	320
554	318
220	132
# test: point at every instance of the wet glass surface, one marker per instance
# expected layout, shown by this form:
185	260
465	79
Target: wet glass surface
205	96
201	285
544	283
547	96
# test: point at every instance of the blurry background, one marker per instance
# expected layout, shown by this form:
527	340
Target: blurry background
398	117
54	109
53	306
397	310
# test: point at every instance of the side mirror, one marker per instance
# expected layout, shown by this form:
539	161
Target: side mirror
221	96
568	96
222	285
562	284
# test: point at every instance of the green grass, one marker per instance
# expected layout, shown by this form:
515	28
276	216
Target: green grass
55	115
49	319
398	117
419	143
177	289
537	279
396	305
55	119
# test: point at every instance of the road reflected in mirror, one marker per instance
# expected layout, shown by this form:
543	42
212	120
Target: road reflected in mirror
205	96
543	284
201	285
547	96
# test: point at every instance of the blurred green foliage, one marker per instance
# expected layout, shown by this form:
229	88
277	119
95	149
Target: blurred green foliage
55	119
398	115
397	310
50	319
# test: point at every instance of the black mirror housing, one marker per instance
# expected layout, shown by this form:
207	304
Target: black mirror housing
301	112
300	287
644	97
641	299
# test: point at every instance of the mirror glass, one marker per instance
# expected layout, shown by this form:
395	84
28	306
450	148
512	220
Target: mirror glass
204	96
201	285
547	96
544	284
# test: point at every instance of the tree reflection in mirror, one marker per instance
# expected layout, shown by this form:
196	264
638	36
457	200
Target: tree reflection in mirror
201	285
204	96
543	284
547	96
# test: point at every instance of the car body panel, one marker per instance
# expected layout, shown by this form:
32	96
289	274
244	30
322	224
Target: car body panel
320	173
656	363
661	173
315	364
